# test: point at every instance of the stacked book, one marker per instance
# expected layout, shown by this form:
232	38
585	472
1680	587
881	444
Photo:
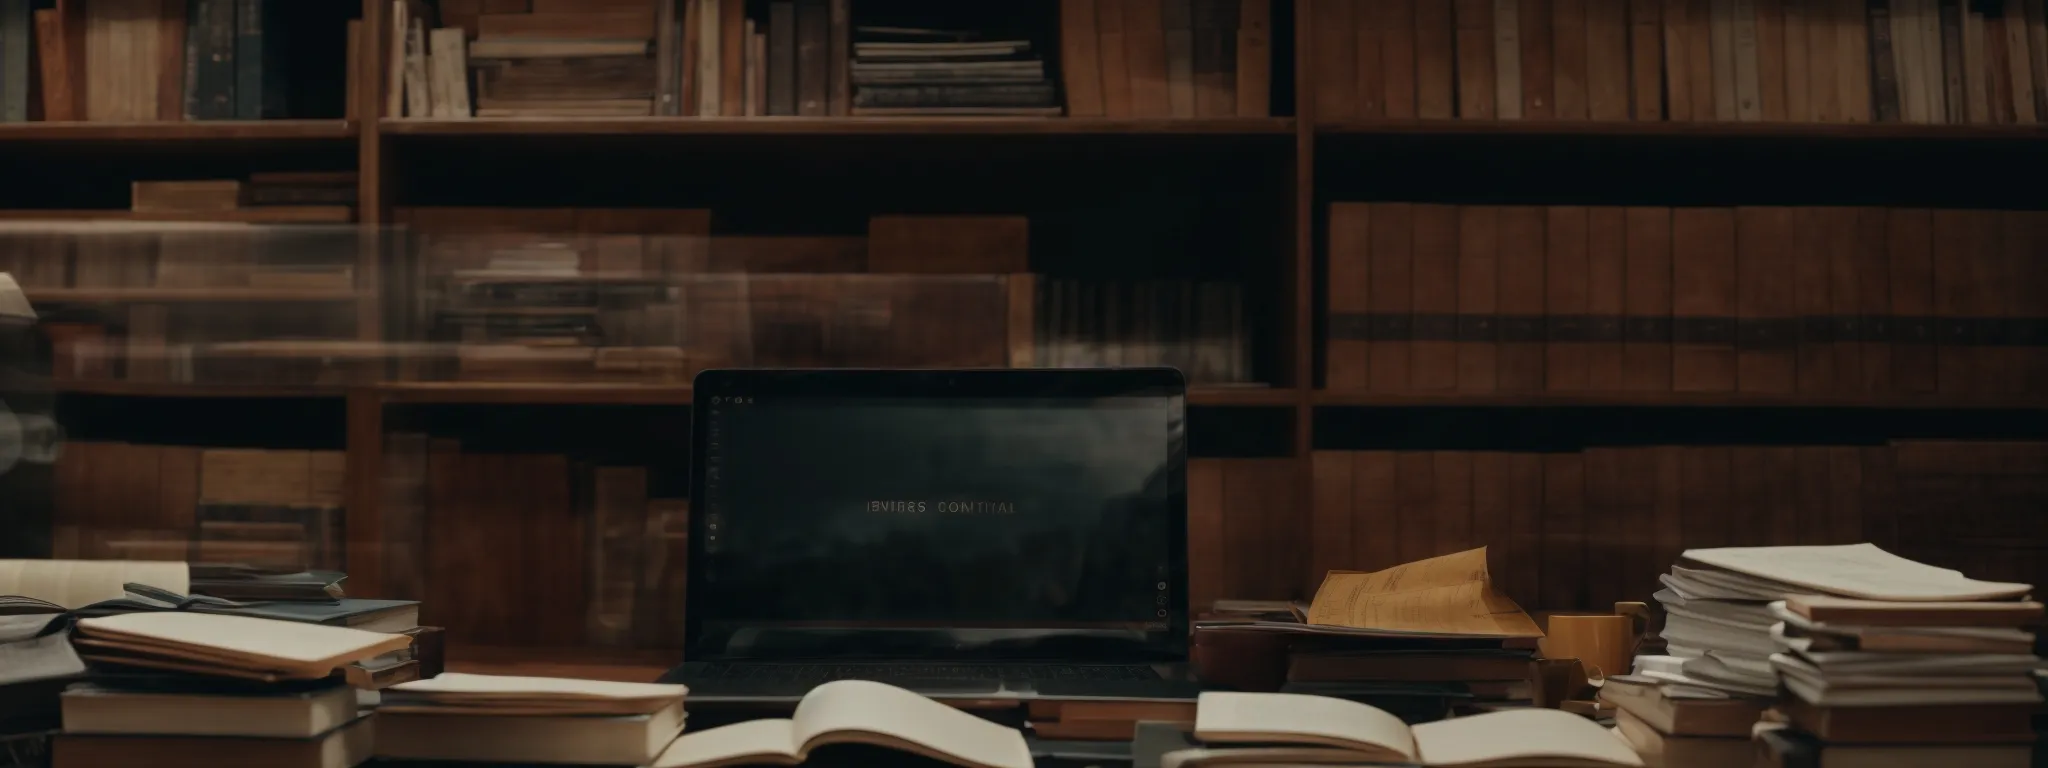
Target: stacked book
485	718
937	72
540	60
1676	726
1460	647
1933	683
190	689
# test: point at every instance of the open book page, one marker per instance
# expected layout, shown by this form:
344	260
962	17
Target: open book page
263	643
1516	736
851	710
1452	594
1855	570
456	685
1265	718
1258	756
753	741
79	583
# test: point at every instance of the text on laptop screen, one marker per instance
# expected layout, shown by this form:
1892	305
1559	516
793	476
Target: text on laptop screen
940	512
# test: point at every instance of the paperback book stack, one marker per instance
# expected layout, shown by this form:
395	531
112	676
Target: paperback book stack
486	718
899	71
176	688
1919	683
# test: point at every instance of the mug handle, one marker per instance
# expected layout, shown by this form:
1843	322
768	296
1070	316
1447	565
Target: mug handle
1639	620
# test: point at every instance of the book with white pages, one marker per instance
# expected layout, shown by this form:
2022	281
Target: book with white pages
454	692
1853	570
1744	614
1293	727
1702	584
855	712
1813	687
1798	633
1669	672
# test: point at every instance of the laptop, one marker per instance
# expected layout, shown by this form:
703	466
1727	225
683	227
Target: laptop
986	533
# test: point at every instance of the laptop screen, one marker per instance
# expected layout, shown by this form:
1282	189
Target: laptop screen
998	514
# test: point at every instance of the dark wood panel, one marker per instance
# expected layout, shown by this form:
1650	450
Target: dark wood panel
1580	530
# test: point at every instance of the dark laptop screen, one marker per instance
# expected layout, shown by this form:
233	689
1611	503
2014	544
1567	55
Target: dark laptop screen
1002	516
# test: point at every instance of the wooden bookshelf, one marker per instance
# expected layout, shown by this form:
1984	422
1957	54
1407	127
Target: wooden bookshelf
1693	130
181	133
186	295
852	126
1280	174
1329	398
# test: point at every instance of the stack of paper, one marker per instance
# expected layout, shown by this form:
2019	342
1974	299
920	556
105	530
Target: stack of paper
1952	679
1735	630
486	718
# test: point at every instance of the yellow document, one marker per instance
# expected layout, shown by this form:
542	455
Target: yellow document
1451	594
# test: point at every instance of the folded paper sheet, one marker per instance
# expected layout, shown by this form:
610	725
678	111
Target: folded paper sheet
1452	594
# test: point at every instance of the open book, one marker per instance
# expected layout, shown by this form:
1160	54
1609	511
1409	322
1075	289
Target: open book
855	712
1318	729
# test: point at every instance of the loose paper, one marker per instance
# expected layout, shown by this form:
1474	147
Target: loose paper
1452	594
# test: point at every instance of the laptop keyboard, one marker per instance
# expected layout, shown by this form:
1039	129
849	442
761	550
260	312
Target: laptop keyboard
885	672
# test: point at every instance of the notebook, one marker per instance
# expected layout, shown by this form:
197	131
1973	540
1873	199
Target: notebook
229	645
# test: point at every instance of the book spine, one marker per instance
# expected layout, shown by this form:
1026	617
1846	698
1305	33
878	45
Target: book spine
1537	68
249	73
57	82
1178	16
1507	59
17	28
1478	297
1435	61
1254	58
840	58
1434	364
1398	63
1521	285
1349	300
1475	66
1566	291
1392	268
1771	60
1647	50
1884	71
1569	59
813	58
782	60
1606	269
732	52
1335	97
1145	56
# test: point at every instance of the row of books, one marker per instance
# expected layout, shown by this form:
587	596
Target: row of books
1198	327
196	252
271	508
1571	530
588	543
1762	300
1167	58
528	59
1830	61
143	60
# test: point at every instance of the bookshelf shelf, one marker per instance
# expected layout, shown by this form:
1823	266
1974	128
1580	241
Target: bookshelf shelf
1330	398
856	126
536	393
199	391
179	132
186	295
1713	130
545	393
283	214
